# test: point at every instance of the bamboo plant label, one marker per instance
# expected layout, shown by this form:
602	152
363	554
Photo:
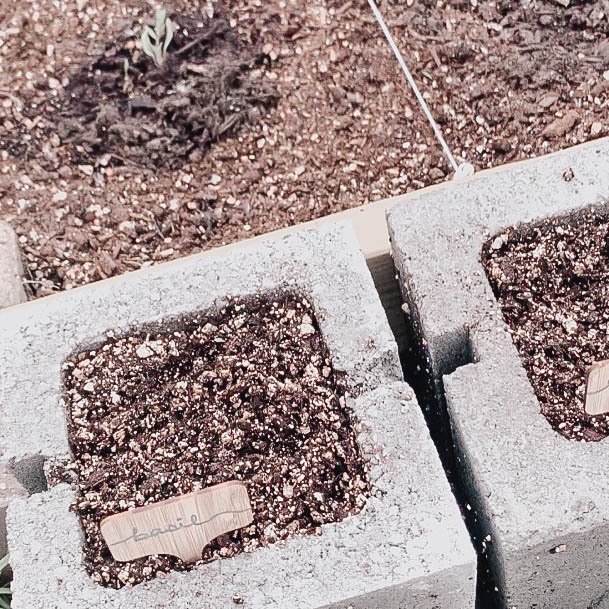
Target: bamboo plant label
597	388
181	526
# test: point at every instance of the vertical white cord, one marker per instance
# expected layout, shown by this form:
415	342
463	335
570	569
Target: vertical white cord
463	170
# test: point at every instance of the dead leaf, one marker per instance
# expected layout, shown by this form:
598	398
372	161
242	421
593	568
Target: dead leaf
561	126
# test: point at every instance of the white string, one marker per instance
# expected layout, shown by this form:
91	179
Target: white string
463	170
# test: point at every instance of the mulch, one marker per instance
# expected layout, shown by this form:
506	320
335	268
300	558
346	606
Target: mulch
123	109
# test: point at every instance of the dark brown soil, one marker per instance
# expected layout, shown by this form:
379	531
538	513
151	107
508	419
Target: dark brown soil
248	394
552	282
507	80
136	113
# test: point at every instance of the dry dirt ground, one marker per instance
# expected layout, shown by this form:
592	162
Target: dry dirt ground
506	79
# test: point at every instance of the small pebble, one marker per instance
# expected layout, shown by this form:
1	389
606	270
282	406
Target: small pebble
306	329
143	352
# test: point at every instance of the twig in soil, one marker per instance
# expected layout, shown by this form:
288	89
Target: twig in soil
205	69
157	227
344	8
434	56
128	161
405	21
229	123
211	33
12	97
529	49
196	68
427	37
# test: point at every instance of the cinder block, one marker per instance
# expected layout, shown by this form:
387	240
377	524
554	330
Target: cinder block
408	547
11	268
534	490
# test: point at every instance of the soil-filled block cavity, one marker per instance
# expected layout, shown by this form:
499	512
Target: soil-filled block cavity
552	280
248	393
350	502
542	500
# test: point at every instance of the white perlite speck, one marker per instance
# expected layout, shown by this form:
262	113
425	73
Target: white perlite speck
143	352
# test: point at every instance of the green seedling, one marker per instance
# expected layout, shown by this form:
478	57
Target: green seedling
156	41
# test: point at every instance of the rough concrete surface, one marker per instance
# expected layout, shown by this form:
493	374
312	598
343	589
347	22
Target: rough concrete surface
9	490
11	293
408	547
11	268
535	491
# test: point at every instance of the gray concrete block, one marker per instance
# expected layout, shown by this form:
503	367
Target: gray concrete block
11	268
408	547
10	488
534	490
11	293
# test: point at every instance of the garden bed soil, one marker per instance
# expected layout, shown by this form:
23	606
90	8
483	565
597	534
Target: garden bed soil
124	109
552	283
246	394
331	125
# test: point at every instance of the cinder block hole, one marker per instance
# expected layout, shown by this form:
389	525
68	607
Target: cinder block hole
549	279
188	398
455	349
30	474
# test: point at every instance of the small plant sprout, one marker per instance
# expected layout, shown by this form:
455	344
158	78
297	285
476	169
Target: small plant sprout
127	84
155	41
5	591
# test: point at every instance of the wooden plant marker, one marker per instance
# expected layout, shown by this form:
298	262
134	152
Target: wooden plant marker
181	526
597	388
